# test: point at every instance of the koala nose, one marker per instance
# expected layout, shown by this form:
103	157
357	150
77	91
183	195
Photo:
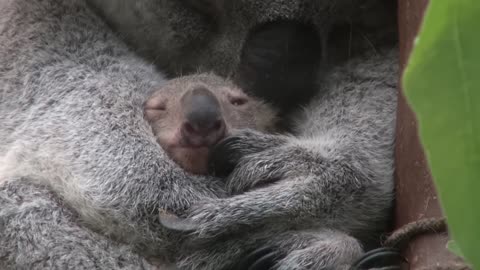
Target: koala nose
204	124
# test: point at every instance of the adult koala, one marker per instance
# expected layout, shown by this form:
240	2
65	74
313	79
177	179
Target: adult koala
331	181
70	116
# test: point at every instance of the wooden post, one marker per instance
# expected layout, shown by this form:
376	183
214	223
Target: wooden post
416	194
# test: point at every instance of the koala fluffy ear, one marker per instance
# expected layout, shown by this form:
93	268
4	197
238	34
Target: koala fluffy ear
206	7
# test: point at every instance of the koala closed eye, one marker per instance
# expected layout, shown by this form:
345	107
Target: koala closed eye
237	99
157	103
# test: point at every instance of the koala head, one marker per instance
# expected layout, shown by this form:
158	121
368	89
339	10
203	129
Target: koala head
191	114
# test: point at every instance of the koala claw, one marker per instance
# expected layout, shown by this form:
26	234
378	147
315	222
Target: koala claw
173	222
259	259
203	222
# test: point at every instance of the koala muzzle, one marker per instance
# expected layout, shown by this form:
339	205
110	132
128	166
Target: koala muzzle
203	124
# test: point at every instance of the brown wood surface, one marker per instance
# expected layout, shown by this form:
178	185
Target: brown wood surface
416	194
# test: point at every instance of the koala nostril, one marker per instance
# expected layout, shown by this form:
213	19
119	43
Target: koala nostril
218	131
205	129
203	135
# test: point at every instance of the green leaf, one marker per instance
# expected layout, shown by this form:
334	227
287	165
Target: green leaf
442	83
453	247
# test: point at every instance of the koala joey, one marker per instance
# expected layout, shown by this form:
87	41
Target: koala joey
190	114
315	199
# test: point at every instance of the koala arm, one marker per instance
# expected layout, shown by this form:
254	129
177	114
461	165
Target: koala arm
312	198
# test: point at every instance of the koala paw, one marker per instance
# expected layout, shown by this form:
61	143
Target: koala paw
226	154
262	258
272	165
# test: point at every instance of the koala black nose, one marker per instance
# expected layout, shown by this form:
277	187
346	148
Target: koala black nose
204	124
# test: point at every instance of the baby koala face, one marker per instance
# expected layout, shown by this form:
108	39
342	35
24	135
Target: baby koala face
190	114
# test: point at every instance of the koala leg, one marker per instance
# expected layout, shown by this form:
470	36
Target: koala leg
38	232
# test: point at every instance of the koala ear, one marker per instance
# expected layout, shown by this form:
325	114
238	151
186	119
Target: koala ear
280	62
206	7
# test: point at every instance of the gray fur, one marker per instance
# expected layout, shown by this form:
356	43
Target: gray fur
333	175
39	232
71	117
181	40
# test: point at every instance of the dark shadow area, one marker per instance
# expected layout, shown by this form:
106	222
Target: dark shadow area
279	63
